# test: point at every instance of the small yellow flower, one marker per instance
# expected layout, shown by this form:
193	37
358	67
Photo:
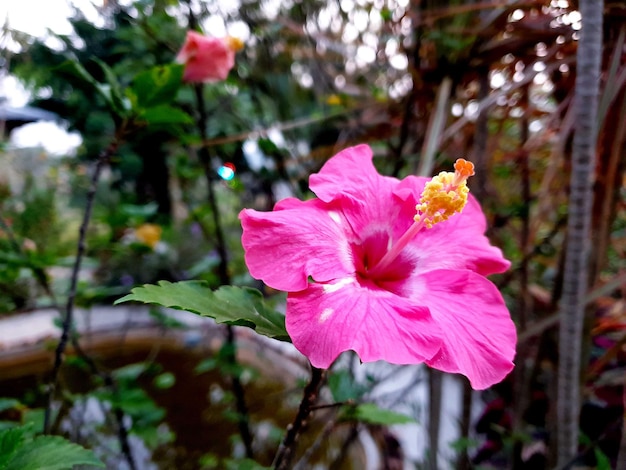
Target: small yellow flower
149	234
333	100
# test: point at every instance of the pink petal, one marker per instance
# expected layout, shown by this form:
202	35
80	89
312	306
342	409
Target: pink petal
351	174
327	319
295	241
479	336
206	59
459	242
366	198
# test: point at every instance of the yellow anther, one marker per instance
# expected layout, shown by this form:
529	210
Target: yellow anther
233	43
444	195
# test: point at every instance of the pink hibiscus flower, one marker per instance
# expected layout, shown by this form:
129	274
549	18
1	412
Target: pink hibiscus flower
380	266
207	59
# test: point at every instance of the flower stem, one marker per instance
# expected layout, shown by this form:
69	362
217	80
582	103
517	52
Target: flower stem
205	160
287	447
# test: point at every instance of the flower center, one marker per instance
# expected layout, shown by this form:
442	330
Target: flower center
443	196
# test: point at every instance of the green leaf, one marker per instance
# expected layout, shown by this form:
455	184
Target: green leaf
164	115
231	305
372	414
344	387
131	372
51	453
463	444
206	365
602	460
157	85
75	70
165	380
136	403
243	464
115	93
84	79
10	441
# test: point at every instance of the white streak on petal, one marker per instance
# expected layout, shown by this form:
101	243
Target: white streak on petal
327	312
335	216
330	288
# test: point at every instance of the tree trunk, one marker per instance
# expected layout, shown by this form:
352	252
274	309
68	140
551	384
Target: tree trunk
575	281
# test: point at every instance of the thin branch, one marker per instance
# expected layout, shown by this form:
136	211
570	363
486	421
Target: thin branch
205	160
323	436
287	448
538	327
109	381
68	317
455	127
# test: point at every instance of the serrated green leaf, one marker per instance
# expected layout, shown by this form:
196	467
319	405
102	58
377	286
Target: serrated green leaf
51	453
10	442
372	414
157	85
241	306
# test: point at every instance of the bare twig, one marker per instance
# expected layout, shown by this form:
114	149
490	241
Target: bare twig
68	316
205	160
538	327
323	436
42	279
287	447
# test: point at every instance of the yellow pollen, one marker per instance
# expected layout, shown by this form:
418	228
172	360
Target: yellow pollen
235	44
444	195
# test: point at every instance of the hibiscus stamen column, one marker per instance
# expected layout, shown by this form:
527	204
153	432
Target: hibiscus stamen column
443	196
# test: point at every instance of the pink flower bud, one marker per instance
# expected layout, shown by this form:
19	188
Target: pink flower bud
207	59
